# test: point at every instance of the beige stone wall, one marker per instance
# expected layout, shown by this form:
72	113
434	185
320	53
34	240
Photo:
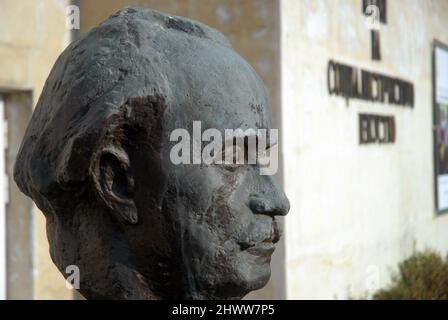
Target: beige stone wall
356	210
253	28
32	35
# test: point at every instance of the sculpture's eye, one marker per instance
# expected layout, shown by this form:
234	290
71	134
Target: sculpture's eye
232	158
242	151
232	155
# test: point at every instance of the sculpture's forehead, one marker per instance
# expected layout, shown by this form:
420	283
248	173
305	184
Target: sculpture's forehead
215	85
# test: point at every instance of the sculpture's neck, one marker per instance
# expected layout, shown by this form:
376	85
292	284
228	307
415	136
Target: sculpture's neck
118	282
129	284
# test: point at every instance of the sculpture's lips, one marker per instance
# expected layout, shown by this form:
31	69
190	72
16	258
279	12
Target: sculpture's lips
264	247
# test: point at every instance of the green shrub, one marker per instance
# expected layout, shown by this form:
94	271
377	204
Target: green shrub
423	276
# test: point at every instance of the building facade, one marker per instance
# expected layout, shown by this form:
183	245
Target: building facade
357	209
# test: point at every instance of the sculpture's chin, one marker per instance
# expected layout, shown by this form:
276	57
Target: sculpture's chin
252	273
249	273
260	277
246	285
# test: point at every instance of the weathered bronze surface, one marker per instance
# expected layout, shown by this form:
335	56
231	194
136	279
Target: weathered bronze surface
95	159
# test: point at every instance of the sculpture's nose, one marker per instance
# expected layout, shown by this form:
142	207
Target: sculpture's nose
269	199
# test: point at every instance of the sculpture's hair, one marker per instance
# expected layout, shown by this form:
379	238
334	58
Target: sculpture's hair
88	86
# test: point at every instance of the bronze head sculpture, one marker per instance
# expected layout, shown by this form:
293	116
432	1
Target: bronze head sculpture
96	160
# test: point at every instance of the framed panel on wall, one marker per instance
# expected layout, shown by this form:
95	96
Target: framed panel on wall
440	118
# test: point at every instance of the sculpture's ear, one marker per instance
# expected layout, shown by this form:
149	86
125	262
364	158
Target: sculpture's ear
114	183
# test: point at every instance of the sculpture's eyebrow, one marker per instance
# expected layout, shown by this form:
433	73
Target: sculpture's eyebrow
252	134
